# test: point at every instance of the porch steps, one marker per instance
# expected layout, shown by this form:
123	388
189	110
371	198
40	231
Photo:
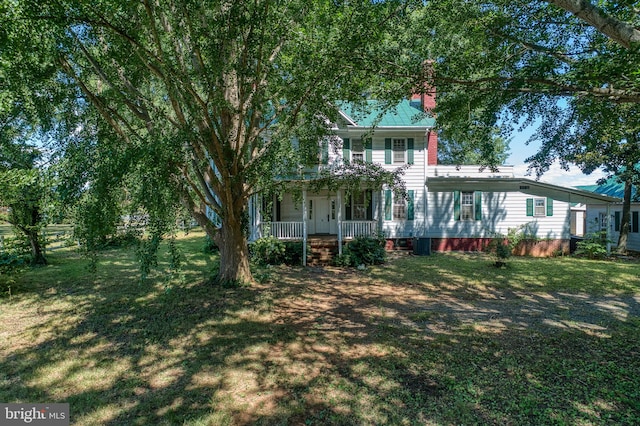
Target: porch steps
322	251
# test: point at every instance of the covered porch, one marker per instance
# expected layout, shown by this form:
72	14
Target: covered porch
322	216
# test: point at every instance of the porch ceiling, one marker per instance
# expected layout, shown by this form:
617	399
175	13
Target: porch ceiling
527	186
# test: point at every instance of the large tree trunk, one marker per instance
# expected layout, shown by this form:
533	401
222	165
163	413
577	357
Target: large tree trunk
626	217
234	252
26	220
230	238
37	253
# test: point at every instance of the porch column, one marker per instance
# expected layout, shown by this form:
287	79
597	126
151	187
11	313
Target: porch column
257	211
340	221
608	229
304	227
380	210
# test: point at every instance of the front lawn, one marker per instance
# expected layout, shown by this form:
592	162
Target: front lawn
441	339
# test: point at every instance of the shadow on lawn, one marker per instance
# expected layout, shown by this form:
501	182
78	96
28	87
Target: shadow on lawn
328	346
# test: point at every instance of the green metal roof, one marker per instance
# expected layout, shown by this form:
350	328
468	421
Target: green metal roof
374	113
612	188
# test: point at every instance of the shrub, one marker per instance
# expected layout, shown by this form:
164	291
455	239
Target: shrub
210	246
293	252
363	251
15	253
267	251
272	251
593	246
499	246
342	260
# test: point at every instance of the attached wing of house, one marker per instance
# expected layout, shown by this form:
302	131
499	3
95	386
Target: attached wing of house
601	216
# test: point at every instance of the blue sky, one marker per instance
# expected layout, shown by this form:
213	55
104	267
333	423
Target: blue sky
519	151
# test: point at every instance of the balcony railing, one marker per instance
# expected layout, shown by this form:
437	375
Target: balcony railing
358	228
282	230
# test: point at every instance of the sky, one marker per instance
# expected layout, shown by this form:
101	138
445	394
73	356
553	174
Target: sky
519	151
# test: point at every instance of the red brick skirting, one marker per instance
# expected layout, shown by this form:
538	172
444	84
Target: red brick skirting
537	248
542	248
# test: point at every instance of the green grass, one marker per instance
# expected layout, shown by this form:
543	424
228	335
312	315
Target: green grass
442	339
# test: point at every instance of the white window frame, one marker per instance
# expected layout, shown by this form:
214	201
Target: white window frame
467	207
359	207
543	207
357	154
399	156
399	208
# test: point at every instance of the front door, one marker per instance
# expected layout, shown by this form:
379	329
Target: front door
321	215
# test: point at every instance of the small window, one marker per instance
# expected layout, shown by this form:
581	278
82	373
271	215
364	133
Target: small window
398	151
539	207
466	206
399	208
357	150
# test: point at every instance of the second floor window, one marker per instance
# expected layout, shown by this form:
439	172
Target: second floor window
357	150
399	149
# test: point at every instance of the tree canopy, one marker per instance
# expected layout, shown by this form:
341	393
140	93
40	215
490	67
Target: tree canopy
194	104
514	62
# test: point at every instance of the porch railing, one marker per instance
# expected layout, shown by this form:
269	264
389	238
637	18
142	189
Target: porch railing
358	228
282	230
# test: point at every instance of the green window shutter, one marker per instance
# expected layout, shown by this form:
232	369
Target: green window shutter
410	151
634	222
387	204
325	152
387	151
410	209
477	204
456	205
347	209
616	221
549	206
529	206
368	157
346	150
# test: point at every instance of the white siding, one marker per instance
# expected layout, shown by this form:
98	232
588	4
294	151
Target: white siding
500	212
593	223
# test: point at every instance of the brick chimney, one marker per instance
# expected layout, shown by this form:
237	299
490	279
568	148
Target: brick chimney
427	99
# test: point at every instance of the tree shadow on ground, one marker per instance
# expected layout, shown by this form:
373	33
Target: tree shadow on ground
329	346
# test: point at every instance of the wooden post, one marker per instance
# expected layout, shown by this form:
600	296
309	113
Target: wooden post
380	210
304	227
340	222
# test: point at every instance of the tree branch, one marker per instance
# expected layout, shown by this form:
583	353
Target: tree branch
620	32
